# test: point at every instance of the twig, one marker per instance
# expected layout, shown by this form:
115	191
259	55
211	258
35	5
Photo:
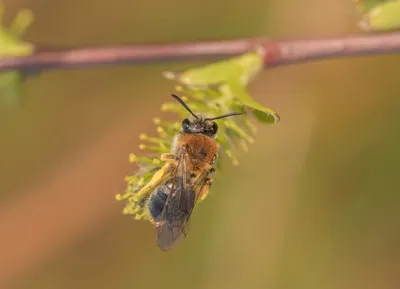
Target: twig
278	52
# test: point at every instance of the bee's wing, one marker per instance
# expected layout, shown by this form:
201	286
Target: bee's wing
175	217
197	187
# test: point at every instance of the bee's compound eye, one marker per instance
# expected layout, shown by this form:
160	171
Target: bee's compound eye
214	128
185	125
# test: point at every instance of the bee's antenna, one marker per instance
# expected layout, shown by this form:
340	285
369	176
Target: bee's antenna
225	115
184	104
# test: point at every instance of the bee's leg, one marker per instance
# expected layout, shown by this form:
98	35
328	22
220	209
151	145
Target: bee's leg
168	157
204	192
156	180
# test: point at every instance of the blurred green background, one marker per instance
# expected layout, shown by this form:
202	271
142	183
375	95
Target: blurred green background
314	204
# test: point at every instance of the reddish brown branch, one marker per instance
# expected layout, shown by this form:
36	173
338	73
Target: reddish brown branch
279	52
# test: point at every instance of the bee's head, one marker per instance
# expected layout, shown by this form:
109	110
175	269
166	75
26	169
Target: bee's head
200	124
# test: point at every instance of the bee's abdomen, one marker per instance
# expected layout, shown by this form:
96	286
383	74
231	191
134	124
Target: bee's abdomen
157	201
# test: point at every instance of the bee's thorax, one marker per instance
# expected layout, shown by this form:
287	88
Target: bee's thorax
201	149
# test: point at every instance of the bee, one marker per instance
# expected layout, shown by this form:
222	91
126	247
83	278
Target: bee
185	178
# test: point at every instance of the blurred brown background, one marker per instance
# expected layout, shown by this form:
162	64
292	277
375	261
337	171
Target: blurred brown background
314	204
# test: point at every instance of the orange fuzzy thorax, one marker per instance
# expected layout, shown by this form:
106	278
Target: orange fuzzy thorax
201	150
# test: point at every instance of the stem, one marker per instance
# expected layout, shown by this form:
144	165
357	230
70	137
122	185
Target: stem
278	52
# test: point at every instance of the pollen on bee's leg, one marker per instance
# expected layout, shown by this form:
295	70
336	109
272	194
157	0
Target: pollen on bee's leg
204	193
206	189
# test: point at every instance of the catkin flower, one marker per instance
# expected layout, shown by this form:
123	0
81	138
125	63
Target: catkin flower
215	90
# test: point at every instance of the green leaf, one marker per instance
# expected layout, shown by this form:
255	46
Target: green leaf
266	117
383	17
260	112
242	68
230	77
